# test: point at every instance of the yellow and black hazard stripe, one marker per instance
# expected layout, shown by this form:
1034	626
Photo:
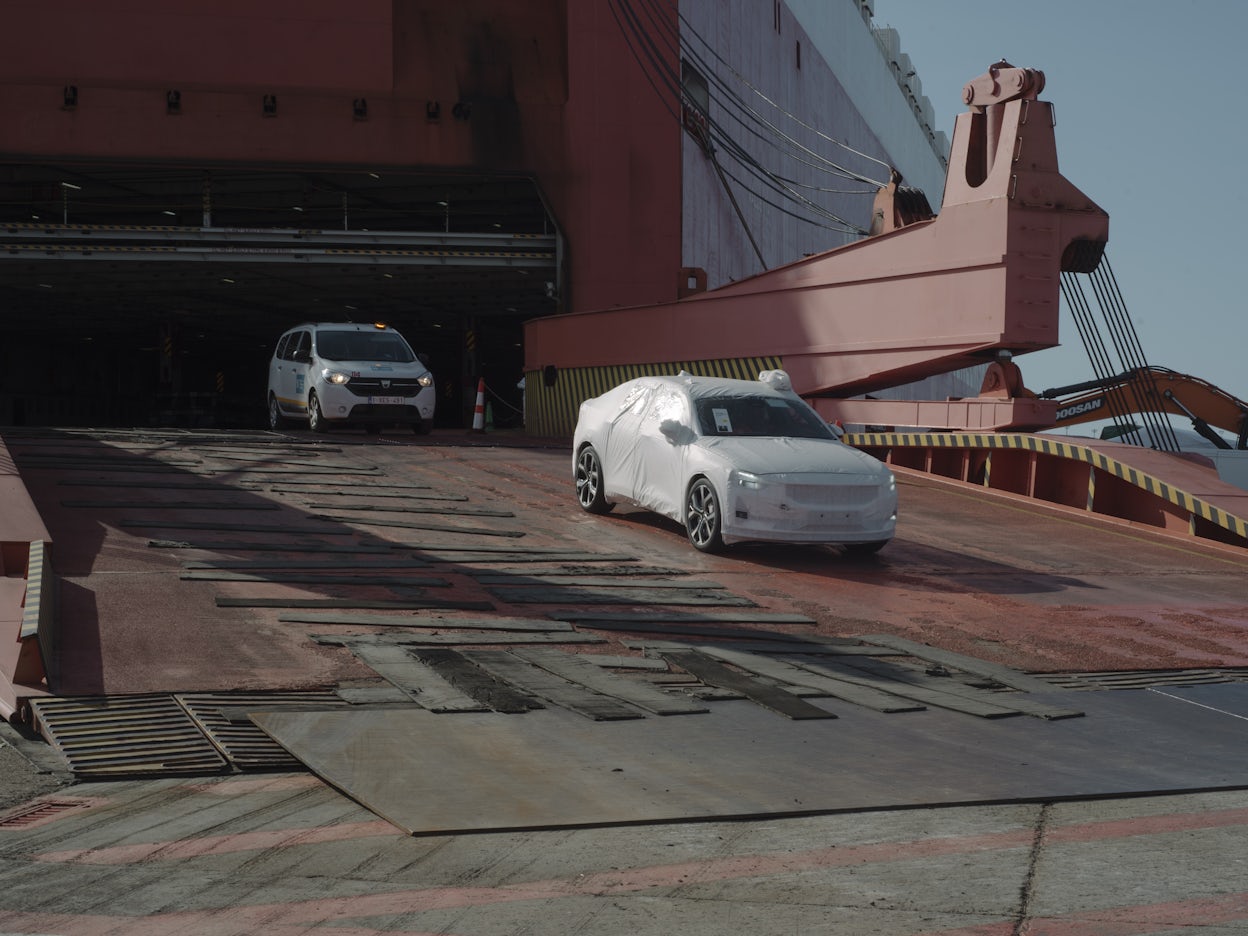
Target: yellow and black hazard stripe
553	398
1057	449
86	248
36	570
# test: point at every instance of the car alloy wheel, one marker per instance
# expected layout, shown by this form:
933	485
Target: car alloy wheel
589	482
702	517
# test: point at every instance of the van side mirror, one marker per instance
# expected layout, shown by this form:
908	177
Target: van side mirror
303	356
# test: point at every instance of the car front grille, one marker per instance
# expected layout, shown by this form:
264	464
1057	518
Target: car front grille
831	495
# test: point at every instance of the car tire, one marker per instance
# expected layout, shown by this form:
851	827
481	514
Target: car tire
702	517
276	419
863	550
589	486
316	419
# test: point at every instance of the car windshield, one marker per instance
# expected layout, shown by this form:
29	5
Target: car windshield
760	416
363	346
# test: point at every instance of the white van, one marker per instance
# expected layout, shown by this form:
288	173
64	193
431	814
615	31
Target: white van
344	374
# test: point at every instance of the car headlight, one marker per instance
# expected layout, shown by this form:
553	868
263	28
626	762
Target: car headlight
425	380
746	480
336	377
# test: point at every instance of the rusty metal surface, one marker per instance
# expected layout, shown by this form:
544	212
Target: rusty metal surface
1061	598
1073	594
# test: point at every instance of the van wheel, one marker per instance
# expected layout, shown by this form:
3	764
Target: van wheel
316	419
276	419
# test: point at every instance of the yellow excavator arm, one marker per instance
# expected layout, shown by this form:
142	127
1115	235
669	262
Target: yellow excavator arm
1155	390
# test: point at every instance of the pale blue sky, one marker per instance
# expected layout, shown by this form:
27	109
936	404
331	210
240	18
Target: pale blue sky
1151	125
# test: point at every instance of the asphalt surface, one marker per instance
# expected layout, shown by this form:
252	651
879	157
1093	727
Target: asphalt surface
28	767
1036	589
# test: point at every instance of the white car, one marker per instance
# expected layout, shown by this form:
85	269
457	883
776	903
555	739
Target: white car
342	374
732	460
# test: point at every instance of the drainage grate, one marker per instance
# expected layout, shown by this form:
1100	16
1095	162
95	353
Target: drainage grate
222	716
43	811
125	735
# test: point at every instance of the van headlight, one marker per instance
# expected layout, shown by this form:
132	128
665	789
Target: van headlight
425	380
336	377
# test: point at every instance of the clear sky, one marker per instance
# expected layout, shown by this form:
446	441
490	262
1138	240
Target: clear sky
1152	126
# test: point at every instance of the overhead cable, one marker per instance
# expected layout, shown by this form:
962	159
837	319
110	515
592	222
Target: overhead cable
1132	376
666	83
729	95
746	160
793	117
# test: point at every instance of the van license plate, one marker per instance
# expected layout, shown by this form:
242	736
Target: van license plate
387	400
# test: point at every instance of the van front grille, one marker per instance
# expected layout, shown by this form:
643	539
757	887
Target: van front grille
375	386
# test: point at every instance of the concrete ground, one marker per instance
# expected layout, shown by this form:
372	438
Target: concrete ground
1035	589
284	853
28	767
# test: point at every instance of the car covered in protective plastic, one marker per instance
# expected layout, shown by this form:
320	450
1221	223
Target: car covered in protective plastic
733	461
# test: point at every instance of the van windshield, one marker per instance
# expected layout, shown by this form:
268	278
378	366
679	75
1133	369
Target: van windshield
363	346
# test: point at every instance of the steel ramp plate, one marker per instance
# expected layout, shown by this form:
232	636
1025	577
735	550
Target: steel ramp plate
125	736
476	772
221	717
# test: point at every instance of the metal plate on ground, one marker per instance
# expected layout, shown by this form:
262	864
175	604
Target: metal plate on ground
222	717
431	527
1143	679
631	595
1213	699
551	769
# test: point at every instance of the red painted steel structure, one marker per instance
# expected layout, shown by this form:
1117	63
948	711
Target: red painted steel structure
545	88
921	299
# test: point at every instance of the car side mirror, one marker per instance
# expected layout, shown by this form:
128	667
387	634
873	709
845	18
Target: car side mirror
676	432
303	357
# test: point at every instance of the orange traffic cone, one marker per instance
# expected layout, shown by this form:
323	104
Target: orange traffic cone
478	412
